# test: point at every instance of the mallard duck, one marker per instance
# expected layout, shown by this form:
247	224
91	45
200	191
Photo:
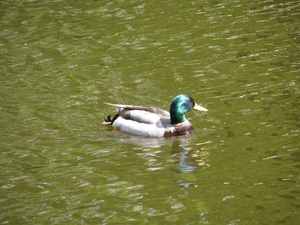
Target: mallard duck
153	122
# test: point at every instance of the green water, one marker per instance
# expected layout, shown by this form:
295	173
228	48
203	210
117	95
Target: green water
60	60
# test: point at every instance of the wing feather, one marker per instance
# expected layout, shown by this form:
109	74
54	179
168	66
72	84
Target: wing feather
141	114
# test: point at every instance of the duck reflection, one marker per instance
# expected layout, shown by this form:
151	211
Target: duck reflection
145	142
189	158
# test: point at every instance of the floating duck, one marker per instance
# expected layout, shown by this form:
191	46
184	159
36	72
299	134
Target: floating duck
154	122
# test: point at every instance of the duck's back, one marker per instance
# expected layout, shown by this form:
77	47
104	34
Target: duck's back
140	120
141	114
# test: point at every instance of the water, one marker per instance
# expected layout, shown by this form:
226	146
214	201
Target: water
60	60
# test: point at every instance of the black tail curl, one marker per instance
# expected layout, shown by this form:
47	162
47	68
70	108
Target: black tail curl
110	121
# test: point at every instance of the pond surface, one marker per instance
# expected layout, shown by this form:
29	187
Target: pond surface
60	60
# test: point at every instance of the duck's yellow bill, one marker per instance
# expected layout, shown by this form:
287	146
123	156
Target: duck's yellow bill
199	108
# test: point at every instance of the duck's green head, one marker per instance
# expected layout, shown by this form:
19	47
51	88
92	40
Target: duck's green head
180	106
